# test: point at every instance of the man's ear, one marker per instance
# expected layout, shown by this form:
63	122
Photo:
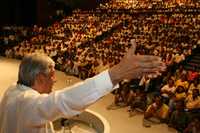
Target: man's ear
39	78
38	84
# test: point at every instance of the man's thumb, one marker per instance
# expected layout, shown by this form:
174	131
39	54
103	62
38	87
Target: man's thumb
132	49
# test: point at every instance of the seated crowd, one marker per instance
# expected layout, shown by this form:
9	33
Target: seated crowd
89	42
176	102
10	35
149	4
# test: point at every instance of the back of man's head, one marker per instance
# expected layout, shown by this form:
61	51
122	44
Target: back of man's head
31	66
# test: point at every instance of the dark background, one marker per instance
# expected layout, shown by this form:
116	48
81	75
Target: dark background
30	12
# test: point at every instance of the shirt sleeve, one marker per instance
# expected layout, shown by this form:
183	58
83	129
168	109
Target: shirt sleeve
83	94
71	100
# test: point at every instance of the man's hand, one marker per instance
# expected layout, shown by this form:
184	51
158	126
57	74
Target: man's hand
135	66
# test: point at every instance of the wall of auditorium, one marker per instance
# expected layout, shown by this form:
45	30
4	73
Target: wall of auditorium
29	12
88	4
23	12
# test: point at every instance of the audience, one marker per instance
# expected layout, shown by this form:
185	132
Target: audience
168	91
157	110
193	126
193	100
179	118
88	42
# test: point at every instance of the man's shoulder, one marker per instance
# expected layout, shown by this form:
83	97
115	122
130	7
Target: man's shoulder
10	89
20	91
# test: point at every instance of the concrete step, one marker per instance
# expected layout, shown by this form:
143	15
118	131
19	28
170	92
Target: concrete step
189	67
196	57
197	61
193	64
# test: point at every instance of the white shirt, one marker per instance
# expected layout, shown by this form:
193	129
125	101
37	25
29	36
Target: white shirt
145	82
24	110
168	89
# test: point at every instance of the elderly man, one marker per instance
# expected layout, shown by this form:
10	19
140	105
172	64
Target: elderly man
30	106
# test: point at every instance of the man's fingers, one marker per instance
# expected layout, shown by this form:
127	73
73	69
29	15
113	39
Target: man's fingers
132	49
133	45
151	62
163	67
149	58
151	65
151	73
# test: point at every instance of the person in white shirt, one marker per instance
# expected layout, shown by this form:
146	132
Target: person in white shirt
145	82
30	106
169	89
